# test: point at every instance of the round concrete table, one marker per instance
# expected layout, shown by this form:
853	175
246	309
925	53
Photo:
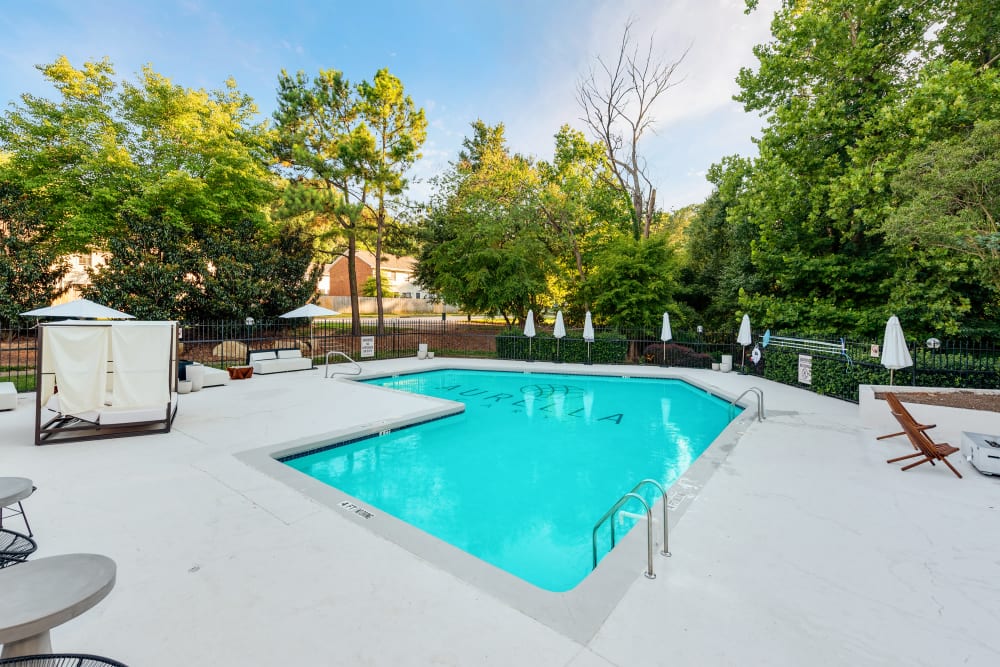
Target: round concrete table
41	594
14	490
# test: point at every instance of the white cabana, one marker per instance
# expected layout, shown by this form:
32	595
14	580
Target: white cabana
105	379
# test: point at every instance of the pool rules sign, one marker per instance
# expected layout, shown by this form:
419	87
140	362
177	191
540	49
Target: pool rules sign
805	369
367	346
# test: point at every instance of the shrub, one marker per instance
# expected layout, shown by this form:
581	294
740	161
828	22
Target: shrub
676	355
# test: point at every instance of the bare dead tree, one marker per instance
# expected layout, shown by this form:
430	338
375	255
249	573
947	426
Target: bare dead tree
617	100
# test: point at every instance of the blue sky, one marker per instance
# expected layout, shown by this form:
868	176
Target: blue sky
510	61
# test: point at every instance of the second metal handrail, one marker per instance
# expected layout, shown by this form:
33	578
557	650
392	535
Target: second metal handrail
665	551
760	402
326	369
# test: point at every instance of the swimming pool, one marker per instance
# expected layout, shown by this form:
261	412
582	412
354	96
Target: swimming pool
519	479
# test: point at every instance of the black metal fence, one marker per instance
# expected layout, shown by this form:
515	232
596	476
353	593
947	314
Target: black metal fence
955	363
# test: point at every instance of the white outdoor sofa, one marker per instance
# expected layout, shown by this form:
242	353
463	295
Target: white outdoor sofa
277	361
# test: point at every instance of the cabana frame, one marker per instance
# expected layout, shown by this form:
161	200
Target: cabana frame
64	427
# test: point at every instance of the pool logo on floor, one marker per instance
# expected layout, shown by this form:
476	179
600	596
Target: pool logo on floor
558	393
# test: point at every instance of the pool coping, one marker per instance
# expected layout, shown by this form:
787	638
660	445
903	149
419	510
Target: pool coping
577	613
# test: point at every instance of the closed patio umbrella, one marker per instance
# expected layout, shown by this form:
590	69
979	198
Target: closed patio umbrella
895	353
744	337
559	331
80	309
529	330
588	333
666	334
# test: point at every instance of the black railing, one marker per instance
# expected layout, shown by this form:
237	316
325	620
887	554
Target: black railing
950	363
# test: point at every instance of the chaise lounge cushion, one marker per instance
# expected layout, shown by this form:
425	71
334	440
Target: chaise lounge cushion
278	361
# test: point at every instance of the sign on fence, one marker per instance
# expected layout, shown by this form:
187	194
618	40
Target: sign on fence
805	369
367	346
874	351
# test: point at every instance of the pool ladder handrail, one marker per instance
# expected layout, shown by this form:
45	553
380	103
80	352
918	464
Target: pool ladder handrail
760	402
649	524
326	369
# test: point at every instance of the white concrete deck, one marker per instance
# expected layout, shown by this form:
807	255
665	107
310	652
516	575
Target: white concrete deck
803	548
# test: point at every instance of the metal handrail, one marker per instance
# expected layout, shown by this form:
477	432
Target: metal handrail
760	402
326	369
665	551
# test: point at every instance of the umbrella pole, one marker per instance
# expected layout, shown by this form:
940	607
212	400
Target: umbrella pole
588	351
891	372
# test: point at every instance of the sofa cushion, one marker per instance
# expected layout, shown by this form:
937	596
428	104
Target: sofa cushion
289	354
263	356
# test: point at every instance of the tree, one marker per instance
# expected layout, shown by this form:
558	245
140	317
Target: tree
371	288
319	136
617	101
950	199
30	269
397	130
717	246
581	211
484	248
149	171
347	149
825	81
633	283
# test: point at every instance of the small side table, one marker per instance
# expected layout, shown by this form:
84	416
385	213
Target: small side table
979	450
12	491
40	594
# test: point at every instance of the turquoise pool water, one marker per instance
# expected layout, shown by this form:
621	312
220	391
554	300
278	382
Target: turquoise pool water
521	477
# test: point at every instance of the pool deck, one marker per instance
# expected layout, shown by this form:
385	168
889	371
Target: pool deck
802	548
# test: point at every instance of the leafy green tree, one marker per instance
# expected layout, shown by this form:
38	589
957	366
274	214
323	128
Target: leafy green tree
259	273
149	270
30	268
950	194
484	248
582	211
346	149
716	265
824	80
634	283
396	129
149	171
370	288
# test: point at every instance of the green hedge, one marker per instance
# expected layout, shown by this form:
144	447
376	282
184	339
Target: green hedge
833	376
606	348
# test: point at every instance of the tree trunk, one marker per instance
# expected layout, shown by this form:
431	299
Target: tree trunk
378	265
352	278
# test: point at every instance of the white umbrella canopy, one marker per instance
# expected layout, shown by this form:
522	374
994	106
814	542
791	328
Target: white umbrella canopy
588	329
895	353
744	337
310	310
665	333
559	331
81	309
529	324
